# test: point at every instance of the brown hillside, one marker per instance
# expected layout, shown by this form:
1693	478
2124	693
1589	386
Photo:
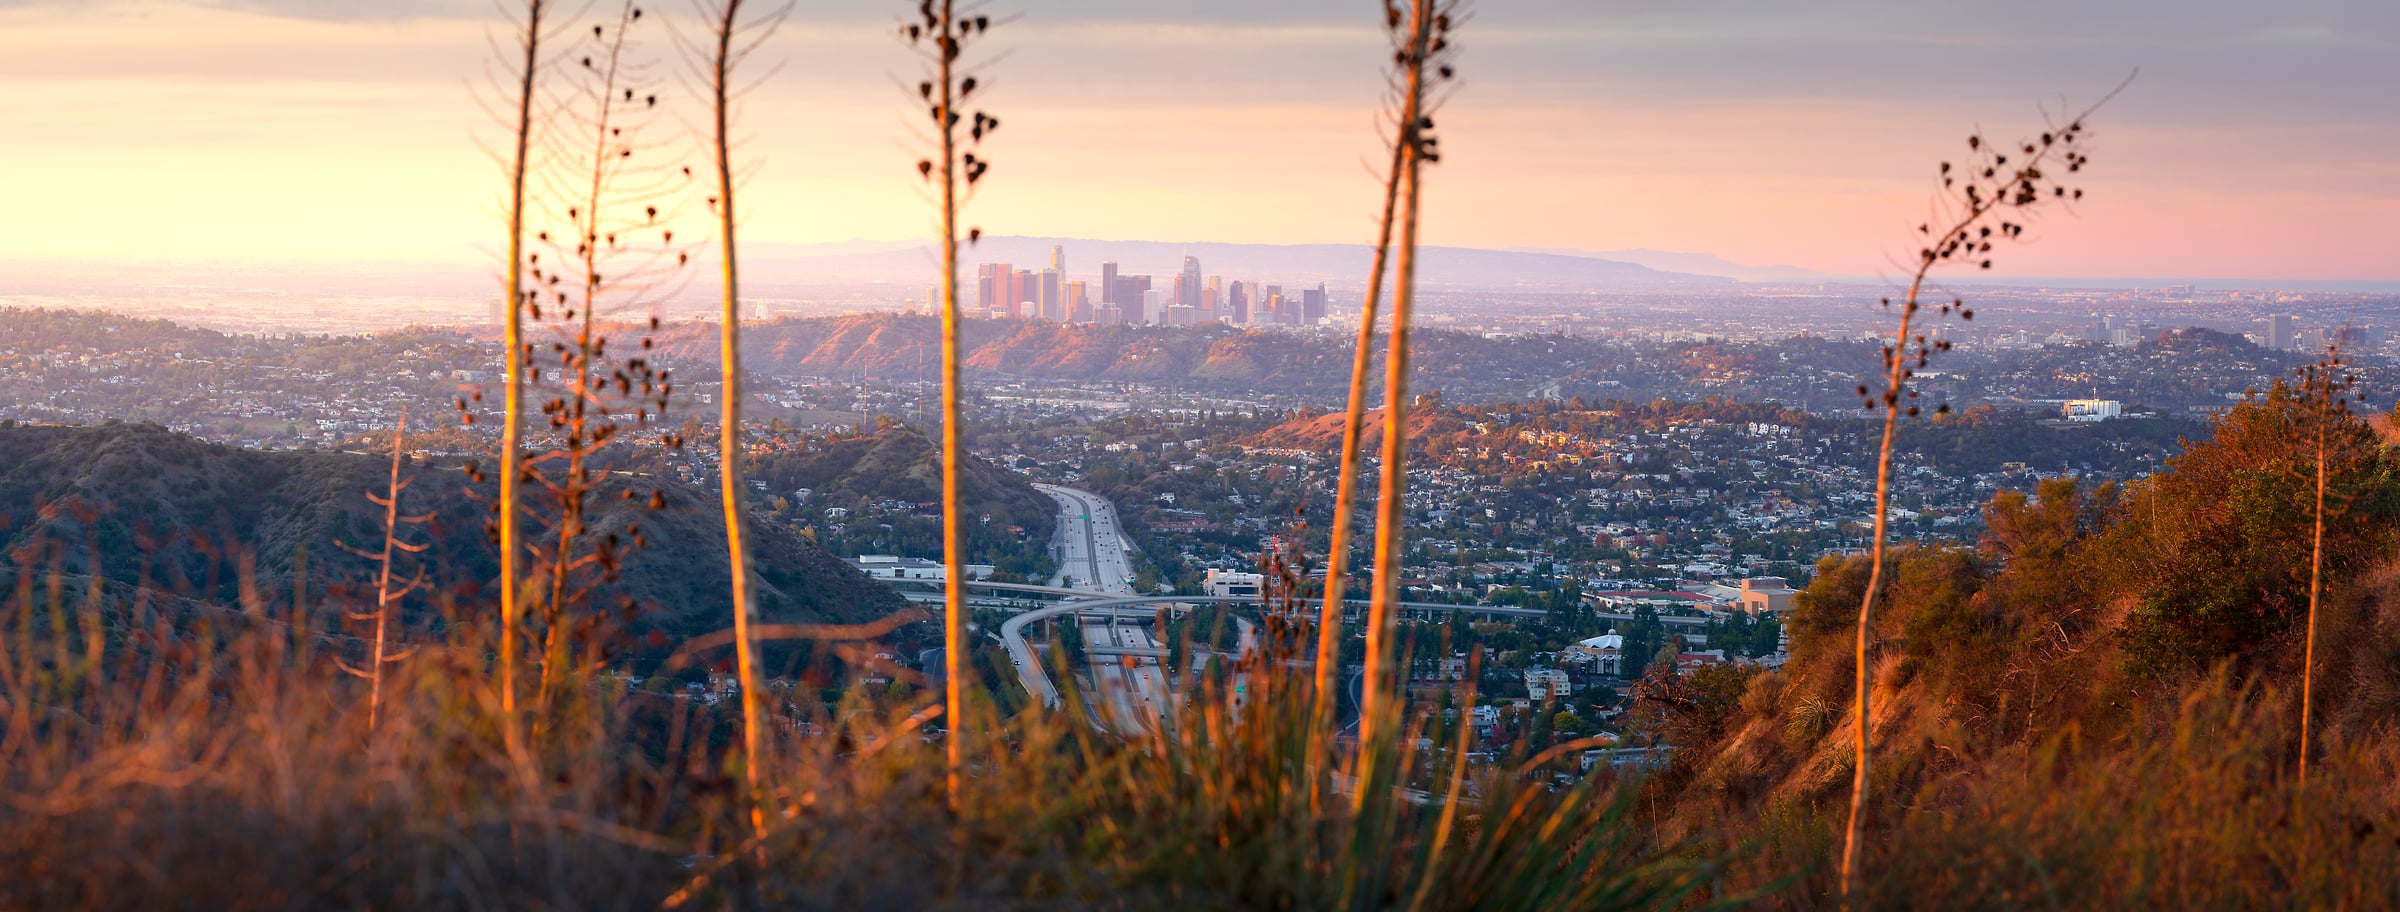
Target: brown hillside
1323	433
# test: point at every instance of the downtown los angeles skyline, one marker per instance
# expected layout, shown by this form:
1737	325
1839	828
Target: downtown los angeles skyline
2252	145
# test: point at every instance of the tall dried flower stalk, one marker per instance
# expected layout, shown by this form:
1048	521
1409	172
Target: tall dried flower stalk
379	653
1345	499
1428	24
731	41
1968	219
615	196
2328	391
512	419
942	34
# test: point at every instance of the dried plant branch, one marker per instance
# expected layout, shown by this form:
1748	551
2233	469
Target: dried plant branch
1337	551
512	421
1972	197
727	27
938	27
1428	24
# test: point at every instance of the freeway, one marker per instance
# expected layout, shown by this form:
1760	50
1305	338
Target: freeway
1091	549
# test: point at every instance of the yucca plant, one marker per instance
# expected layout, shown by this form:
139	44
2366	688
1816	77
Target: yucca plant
730	39
530	32
1984	199
388	598
1422	34
942	34
2325	384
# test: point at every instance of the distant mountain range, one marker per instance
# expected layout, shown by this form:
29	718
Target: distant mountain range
1290	265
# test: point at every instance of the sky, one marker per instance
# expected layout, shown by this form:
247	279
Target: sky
2256	142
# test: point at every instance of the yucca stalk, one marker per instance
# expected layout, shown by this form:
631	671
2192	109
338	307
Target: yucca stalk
954	576
512	420
2322	390
1975	196
729	441
1345	499
938	23
379	654
581	440
1377	710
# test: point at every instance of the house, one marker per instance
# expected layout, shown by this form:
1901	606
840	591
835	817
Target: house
1543	684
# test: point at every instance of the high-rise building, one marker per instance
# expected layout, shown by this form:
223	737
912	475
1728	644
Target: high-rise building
1187	283
1079	305
1153	307
1108	281
1238	303
991	285
1058	259
1054	308
1312	304
2279	332
1134	297
1270	305
1025	292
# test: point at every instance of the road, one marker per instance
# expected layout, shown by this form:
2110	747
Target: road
1092	558
1091	548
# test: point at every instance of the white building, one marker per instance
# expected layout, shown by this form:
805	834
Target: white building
2093	409
885	566
1541	684
1606	653
1233	584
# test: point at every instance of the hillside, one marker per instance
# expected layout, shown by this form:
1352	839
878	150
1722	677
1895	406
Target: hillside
136	504
2135	653
1224	358
868	476
1323	433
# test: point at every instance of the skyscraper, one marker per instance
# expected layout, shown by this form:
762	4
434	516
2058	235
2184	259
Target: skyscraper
1053	307
2279	332
1130	294
1187	284
1312	304
990	286
1079	305
1058	259
1238	304
1108	281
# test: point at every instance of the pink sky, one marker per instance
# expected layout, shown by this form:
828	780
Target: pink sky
172	131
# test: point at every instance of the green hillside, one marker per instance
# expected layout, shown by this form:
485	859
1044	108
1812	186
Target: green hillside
871	477
138	505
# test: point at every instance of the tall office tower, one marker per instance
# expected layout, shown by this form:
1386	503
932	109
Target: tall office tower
1210	306
1108	281
991	285
1187	284
1079	306
1058	259
1028	301
1129	294
1275	311
2279	332
1111	315
1153	307
1312	304
1238	304
1054	308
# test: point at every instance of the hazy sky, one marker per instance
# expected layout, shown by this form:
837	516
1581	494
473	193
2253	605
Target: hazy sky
2258	142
